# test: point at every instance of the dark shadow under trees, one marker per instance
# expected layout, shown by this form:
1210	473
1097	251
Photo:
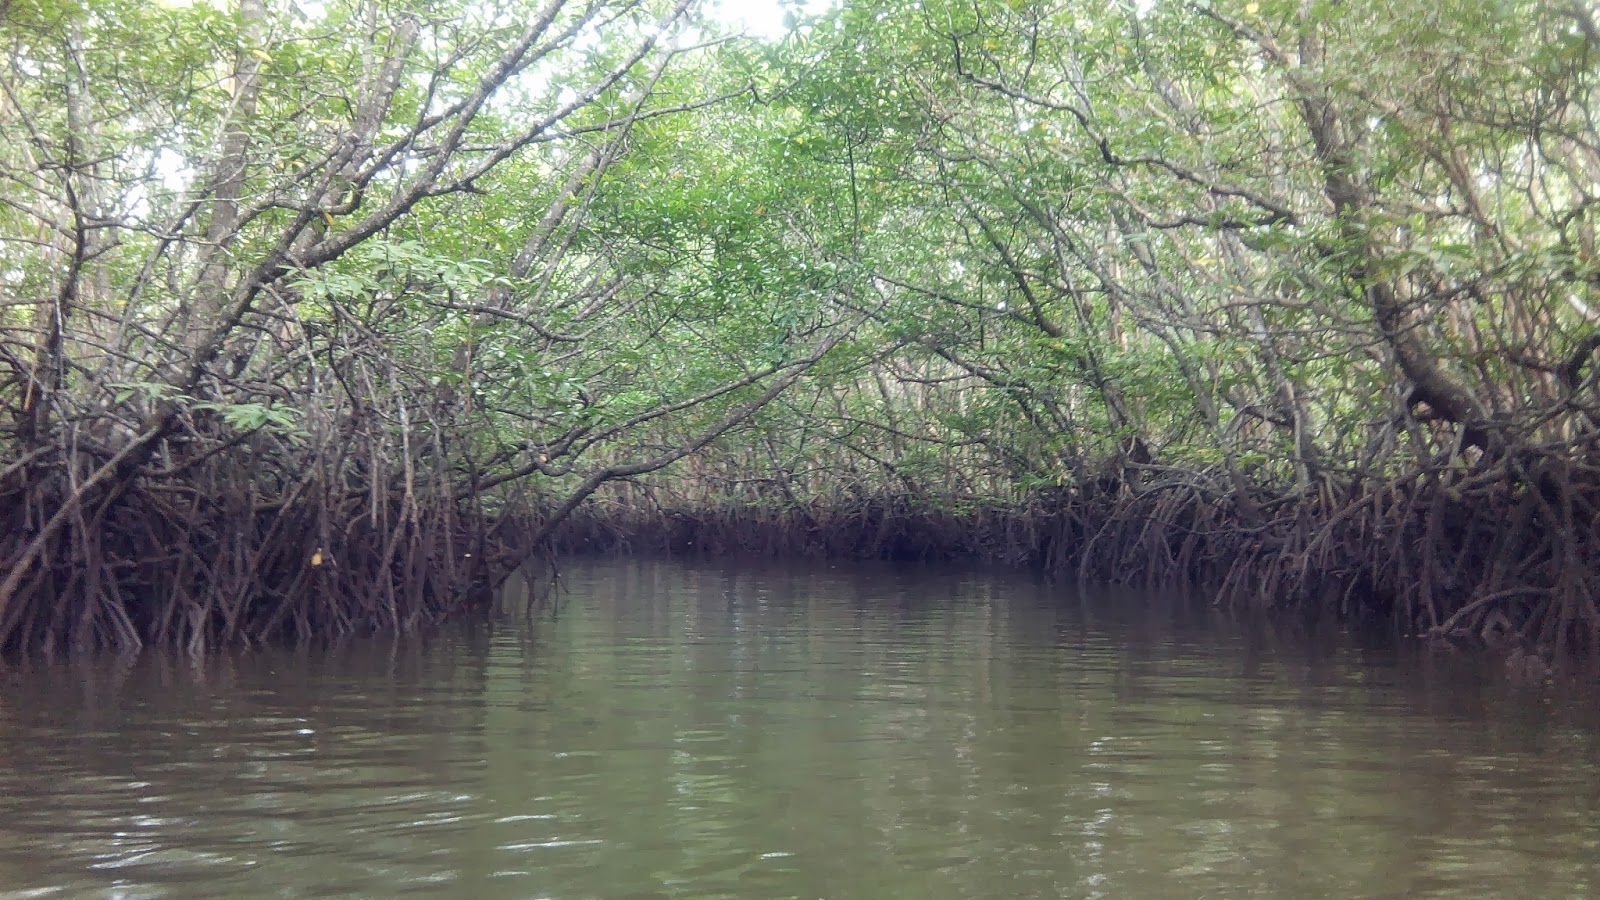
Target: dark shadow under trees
1505	557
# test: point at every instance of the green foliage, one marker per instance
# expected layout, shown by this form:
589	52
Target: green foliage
1006	242
238	416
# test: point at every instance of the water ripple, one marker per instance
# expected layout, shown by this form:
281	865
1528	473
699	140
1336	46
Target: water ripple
683	732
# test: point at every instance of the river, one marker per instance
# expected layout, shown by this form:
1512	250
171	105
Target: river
700	731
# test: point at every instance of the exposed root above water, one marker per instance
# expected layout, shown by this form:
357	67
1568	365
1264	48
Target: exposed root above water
1509	556
177	569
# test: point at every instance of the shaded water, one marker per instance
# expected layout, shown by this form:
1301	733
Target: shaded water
701	732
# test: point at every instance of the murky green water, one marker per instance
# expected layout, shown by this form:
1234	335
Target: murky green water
702	732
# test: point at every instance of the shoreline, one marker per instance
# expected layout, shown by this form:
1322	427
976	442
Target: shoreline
1498	557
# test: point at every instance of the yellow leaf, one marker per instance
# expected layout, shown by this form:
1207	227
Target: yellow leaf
327	217
316	558
1251	9
261	55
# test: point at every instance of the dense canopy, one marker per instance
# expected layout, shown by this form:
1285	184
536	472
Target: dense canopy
321	316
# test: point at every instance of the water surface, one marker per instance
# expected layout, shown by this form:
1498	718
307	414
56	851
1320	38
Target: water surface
701	731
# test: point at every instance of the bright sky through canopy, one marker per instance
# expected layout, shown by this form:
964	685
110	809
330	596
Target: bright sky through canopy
762	18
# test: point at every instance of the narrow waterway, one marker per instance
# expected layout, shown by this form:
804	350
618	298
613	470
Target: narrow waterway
705	731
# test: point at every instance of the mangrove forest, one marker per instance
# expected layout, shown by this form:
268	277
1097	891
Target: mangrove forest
326	316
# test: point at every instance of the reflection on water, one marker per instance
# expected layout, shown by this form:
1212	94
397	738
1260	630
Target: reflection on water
699	732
